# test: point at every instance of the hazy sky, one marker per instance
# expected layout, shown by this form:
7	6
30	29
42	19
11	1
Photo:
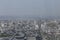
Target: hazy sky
30	7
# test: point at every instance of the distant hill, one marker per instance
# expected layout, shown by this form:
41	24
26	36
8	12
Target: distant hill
16	17
26	17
